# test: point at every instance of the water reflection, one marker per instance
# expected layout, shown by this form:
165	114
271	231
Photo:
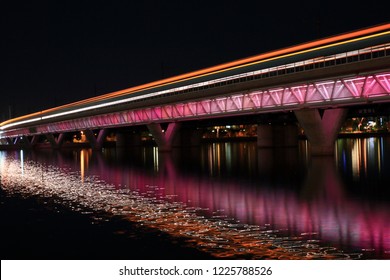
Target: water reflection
365	166
362	155
22	161
85	155
235	200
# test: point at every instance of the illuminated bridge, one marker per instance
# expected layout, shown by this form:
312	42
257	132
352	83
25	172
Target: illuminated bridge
328	76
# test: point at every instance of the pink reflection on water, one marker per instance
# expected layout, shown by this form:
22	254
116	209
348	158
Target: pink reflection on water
320	210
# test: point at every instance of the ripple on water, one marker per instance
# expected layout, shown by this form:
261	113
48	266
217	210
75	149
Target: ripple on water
217	234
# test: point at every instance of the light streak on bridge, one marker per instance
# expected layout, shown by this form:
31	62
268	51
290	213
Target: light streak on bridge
278	54
336	72
355	90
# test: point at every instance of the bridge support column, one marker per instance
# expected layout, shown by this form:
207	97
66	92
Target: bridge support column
265	136
55	143
27	142
164	139
95	142
34	140
188	137
22	142
321	131
121	140
125	140
135	138
269	136
286	135
9	141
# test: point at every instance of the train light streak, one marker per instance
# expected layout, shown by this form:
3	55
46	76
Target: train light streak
319	93
239	69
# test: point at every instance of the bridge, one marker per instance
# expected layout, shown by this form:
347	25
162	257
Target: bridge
318	81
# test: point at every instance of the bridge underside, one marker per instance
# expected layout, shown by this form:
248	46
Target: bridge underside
303	99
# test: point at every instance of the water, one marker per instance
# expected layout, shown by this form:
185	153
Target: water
222	200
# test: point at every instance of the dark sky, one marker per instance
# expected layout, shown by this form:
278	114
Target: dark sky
56	52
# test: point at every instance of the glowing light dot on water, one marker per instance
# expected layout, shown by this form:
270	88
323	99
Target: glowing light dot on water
219	235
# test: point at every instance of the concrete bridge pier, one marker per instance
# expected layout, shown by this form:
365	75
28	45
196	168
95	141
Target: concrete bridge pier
23	142
187	137
10	141
55	143
29	142
265	136
286	135
96	143
124	139
321	131
34	140
270	136
164	139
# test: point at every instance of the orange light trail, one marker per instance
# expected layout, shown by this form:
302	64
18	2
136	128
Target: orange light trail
281	53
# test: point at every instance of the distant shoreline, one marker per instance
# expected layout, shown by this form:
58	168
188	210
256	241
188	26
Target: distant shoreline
362	134
206	140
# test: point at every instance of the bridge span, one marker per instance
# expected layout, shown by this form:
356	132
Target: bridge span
318	81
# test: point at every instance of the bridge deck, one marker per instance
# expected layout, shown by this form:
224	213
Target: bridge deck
338	71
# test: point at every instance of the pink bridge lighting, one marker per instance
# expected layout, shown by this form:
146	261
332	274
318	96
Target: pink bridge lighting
339	91
328	213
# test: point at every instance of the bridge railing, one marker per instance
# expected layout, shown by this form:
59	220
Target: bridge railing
365	54
306	65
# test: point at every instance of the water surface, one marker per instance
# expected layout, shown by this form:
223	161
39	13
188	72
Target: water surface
227	200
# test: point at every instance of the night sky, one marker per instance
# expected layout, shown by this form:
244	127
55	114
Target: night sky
56	52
